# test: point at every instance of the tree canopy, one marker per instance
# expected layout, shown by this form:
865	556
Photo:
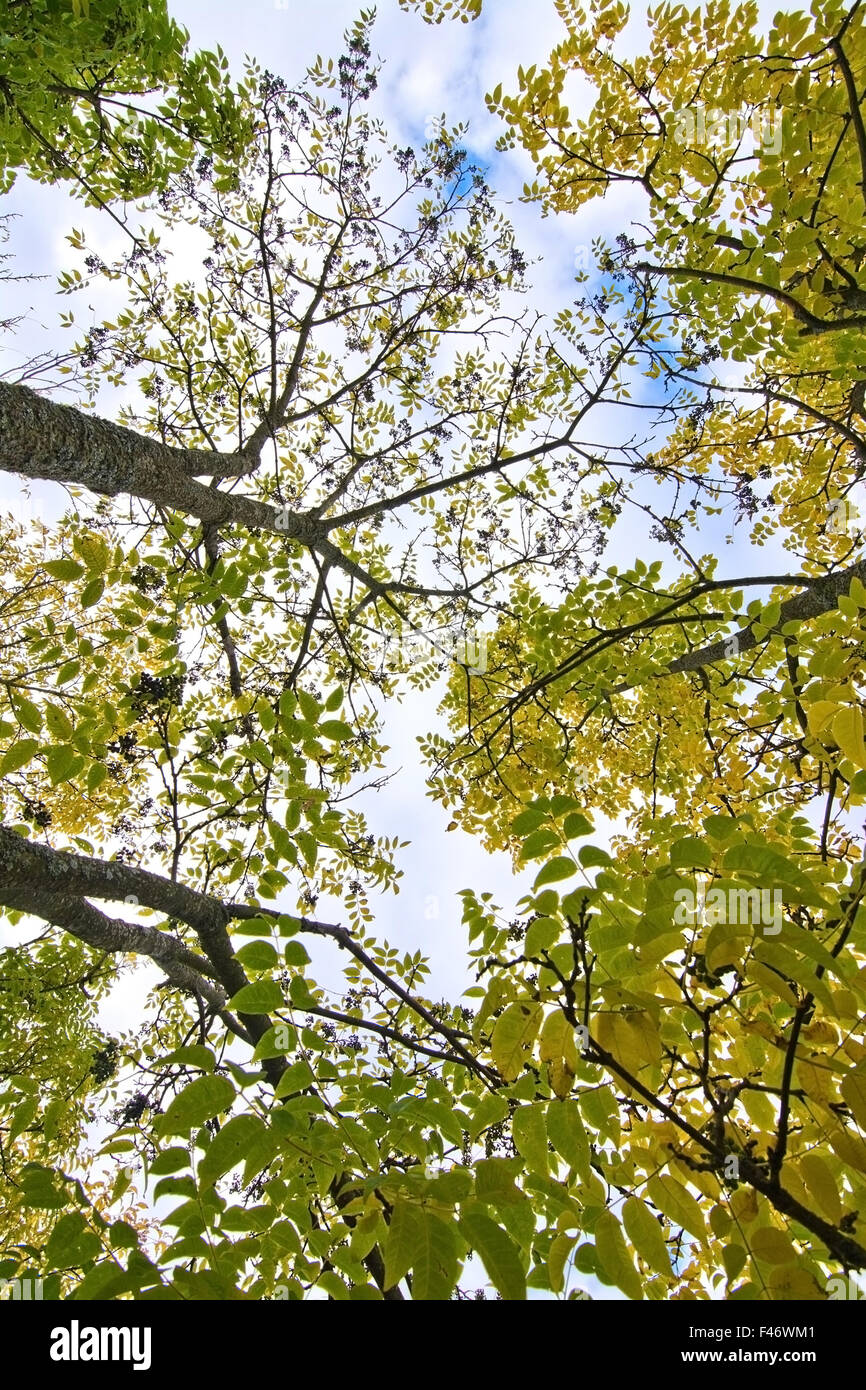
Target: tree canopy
107	97
345	431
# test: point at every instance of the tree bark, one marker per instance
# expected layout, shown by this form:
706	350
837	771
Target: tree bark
819	598
59	443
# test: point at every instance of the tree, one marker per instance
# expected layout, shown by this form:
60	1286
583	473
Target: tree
731	742
176	693
78	93
670	1048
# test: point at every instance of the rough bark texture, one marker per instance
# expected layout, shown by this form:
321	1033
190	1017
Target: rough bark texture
53	884
44	439
819	598
102	932
810	603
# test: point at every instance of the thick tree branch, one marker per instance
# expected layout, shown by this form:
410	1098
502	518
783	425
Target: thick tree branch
185	968
854	106
811	323
43	439
821	595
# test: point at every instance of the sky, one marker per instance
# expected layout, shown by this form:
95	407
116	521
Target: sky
429	72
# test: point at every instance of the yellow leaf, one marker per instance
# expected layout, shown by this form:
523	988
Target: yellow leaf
791	1283
854	1094
560	1250
645	1234
726	944
821	1185
848	733
513	1037
819	717
850	1148
773	1246
815	1080
677	1204
770	980
744	1205
614	1258
557	1048
631	1038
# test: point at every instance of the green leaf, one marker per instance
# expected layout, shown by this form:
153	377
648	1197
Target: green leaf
494	1180
720	827
513	1036
193	1054
96	775
122	1236
170	1161
560	1249
491	1110
23	1116
300	993
538	843
60	761
276	1042
245	1138
297	1077
29	716
691	853
38	1189
530	1135
103	1281
258	955
576	825
420	1241
20	753
310	707
259	998
64	570
540	935
592	857
771	868
498	1253
309	847
404	1238
267	716
199	1101
92	591
68	671
296	954
567	1134
58	723
554	871
336	730
527	821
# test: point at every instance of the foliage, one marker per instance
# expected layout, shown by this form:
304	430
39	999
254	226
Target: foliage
658	1075
77	96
